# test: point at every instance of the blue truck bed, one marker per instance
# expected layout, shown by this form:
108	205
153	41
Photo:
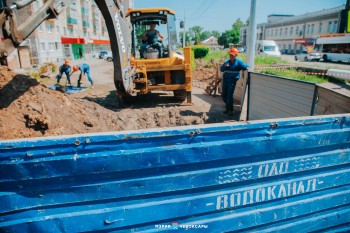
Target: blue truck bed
284	175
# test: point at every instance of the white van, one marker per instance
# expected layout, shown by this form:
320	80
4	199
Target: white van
268	48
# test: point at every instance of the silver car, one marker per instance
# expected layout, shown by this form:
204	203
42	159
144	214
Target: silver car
108	57
307	56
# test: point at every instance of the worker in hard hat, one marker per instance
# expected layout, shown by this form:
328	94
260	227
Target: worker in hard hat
64	69
84	70
231	68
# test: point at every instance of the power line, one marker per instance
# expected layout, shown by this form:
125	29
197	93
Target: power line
205	10
199	8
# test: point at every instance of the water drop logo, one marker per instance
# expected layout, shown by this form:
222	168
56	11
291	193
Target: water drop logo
175	225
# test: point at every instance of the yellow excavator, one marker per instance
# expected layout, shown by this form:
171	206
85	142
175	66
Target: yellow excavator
167	69
139	68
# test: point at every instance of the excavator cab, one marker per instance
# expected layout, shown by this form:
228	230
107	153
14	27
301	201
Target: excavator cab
153	46
164	25
159	63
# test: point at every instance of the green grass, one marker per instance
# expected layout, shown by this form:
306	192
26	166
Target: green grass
218	57
294	74
264	60
215	56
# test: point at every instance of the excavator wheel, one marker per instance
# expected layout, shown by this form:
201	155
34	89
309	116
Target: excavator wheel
180	95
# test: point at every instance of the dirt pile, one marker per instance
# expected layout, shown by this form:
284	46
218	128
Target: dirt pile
30	109
204	72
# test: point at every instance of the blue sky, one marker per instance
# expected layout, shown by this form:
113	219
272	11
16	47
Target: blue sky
221	14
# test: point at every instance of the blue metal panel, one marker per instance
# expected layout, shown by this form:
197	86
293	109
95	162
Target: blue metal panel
285	175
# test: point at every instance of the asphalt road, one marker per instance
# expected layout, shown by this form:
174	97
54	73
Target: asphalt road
315	64
341	87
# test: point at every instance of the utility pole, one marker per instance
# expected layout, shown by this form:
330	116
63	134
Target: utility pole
184	33
251	35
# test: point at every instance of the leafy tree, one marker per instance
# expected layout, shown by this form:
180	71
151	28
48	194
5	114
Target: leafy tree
231	36
238	24
205	35
236	30
197	32
216	34
225	38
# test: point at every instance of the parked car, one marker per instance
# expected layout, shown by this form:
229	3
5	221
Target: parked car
241	49
306	56
102	54
267	48
108	57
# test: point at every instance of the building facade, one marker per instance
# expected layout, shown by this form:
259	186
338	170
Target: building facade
294	33
79	32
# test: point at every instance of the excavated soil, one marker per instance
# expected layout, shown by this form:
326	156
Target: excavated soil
29	109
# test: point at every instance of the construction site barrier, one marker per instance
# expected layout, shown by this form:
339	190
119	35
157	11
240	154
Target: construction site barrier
289	175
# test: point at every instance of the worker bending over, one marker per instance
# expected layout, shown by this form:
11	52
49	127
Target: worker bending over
84	70
65	68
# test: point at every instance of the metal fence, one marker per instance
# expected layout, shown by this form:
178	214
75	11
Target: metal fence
276	97
331	102
271	176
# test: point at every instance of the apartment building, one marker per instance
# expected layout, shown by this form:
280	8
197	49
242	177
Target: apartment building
79	32
294	33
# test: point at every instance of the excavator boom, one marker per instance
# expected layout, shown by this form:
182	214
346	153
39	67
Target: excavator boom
119	33
117	25
131	77
13	34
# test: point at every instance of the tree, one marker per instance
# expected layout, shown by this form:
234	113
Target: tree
231	36
215	34
205	35
236	30
237	25
226	38
197	32
247	22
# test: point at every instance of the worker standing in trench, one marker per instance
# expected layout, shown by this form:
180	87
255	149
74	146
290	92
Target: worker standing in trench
231	69
84	70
